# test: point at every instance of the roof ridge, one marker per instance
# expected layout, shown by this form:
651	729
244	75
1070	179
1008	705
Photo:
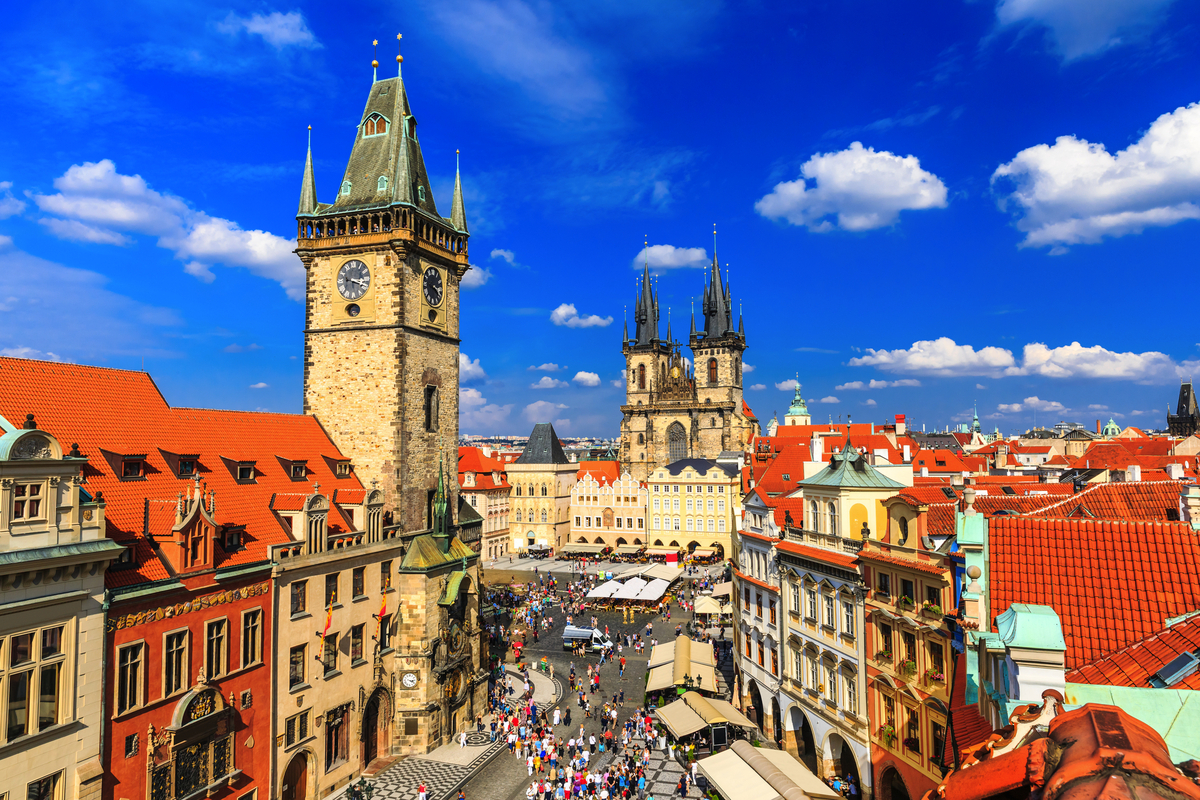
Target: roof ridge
15	359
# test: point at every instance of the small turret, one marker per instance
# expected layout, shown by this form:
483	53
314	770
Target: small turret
458	214
308	187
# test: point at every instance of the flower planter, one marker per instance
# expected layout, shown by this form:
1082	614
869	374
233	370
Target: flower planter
931	610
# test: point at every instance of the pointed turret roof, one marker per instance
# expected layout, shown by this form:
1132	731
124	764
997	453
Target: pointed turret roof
308	187
718	316
645	312
458	214
543	447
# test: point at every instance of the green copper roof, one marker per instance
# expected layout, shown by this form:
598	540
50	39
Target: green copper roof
798	405
1031	627
1173	713
423	554
452	586
848	468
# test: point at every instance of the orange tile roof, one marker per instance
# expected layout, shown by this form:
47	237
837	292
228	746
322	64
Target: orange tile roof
1112	583
819	554
950	462
789	462
111	413
1128	500
756	582
1136	664
967	728
605	472
921	565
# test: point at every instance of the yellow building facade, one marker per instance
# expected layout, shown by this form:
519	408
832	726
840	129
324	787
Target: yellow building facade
694	504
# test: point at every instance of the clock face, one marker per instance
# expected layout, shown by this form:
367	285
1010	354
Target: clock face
409	680
431	285
353	279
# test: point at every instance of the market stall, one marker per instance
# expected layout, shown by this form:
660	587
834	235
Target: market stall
745	772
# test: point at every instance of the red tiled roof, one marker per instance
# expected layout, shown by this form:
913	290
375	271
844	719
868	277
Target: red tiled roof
605	472
756	582
1022	503
920	565
819	554
789	462
1111	582
785	504
1134	665
111	413
1127	500
925	495
939	520
967	728
929	459
746	410
351	497
288	502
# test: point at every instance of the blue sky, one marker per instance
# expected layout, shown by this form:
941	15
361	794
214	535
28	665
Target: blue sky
922	206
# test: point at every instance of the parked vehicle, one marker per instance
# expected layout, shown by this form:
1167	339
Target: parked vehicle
573	634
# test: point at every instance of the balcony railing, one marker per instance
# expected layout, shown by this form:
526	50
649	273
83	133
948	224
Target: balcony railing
825	540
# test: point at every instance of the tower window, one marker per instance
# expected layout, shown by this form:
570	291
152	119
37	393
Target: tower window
431	408
641	376
712	370
421	193
642	440
676	442
345	188
383	183
375	126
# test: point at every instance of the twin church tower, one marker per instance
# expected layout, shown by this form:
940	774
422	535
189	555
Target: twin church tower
672	412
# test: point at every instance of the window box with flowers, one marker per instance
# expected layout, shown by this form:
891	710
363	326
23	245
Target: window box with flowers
931	609
904	603
907	668
913	743
934	676
887	735
883	655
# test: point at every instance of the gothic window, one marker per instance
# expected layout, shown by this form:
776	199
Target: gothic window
712	370
641	376
543	515
383	183
421	193
676	442
345	188
641	439
375	126
518	490
431	408
543	490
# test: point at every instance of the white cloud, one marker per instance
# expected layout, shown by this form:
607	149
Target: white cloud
566	314
477	415
5	241
619	382
830	399
874	384
757	387
861	187
506	255
980	386
277	29
1097	407
787	386
469	370
260	385
947	358
476	276
547	367
97	204
1078	28
1031	404
541	410
562	425
1139	413
549	383
237	348
30	353
9	206
661	257
747	368
587	379
870	403
1076	192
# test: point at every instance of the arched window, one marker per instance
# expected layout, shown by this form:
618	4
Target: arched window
382	185
712	370
815	514
532	493
833	519
518	492
641	376
543	490
375	126
903	530
518	515
543	515
641	438
676	442
345	188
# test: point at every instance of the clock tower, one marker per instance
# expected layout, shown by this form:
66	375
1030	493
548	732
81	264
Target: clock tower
381	326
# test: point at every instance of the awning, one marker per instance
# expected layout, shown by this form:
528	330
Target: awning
630	589
666	572
722	589
715	711
653	590
679	719
604	590
661	654
783	771
734	779
707	605
662	551
661	678
703	552
586	549
628	549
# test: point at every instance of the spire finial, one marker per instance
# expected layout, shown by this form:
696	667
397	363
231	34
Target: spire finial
714	240
310	138
374	60
399	57
646	251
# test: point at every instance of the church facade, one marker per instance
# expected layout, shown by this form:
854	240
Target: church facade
673	411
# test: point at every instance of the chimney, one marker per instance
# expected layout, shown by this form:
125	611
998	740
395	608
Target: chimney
924	472
1189	505
956	479
815	450
1175	471
1133	472
901	428
487	451
1097	426
907	454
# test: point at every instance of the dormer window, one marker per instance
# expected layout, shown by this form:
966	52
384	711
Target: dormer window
383	183
126	557
375	125
27	501
245	471
132	467
187	467
299	471
343	469
233	540
421	193
346	185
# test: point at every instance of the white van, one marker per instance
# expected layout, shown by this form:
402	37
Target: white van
573	634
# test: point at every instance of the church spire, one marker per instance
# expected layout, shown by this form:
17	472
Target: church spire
458	214
308	187
645	309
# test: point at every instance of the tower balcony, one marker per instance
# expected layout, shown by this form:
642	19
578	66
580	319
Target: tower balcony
380	226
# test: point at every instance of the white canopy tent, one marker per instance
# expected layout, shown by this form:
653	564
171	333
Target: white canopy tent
654	590
630	589
604	590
